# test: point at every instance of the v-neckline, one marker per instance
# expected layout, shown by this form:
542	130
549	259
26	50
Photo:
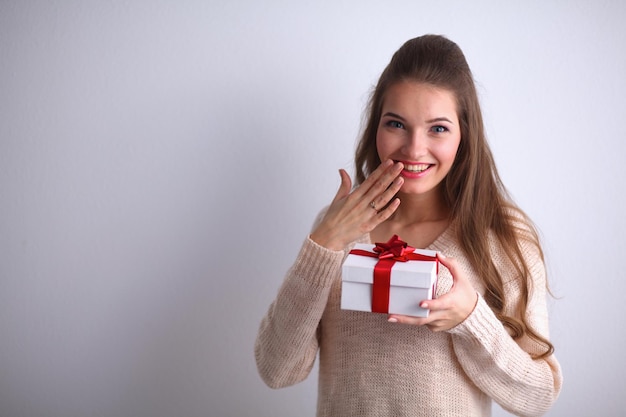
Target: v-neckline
434	244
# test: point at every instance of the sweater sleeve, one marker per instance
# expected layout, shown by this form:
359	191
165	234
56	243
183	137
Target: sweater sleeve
502	367
286	344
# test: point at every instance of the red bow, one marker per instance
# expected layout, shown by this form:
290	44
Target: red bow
395	248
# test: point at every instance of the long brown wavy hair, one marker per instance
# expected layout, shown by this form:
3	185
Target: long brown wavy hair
479	203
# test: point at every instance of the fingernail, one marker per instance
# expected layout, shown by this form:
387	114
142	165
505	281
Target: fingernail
392	320
424	305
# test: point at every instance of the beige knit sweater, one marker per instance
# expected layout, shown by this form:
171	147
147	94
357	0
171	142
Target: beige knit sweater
369	367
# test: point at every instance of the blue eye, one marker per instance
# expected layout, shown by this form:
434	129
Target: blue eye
439	129
396	124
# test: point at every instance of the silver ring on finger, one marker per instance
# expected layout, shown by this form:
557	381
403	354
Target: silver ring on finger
373	205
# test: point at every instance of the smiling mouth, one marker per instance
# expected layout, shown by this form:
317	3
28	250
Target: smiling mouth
416	168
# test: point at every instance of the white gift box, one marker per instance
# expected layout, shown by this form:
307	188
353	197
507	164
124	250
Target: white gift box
411	282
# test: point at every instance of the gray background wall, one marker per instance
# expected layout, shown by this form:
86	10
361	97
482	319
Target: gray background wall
161	163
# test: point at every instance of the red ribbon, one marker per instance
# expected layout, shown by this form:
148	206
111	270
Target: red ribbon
388	253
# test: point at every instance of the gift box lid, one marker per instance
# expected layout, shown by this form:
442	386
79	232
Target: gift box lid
358	268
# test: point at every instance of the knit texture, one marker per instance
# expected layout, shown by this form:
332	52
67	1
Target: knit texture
369	367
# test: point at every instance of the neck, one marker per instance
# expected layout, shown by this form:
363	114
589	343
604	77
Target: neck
421	209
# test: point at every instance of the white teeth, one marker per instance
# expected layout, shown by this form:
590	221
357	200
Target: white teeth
416	168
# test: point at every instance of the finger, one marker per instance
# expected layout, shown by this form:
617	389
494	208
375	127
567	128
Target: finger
345	186
384	214
381	178
436	304
369	191
446	261
431	322
383	199
452	266
380	192
416	321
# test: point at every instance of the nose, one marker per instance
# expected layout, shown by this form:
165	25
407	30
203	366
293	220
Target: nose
416	144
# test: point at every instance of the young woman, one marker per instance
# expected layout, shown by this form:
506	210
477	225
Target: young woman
425	173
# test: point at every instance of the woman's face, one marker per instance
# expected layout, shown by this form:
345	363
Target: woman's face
419	127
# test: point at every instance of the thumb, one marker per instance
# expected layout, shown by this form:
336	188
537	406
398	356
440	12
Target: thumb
451	264
345	187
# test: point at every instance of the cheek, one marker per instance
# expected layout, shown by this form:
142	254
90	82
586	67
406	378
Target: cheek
448	152
387	143
380	146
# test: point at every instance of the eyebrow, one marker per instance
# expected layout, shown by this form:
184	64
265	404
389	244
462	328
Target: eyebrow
436	119
440	119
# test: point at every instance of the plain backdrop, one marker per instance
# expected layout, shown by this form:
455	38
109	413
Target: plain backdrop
161	163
